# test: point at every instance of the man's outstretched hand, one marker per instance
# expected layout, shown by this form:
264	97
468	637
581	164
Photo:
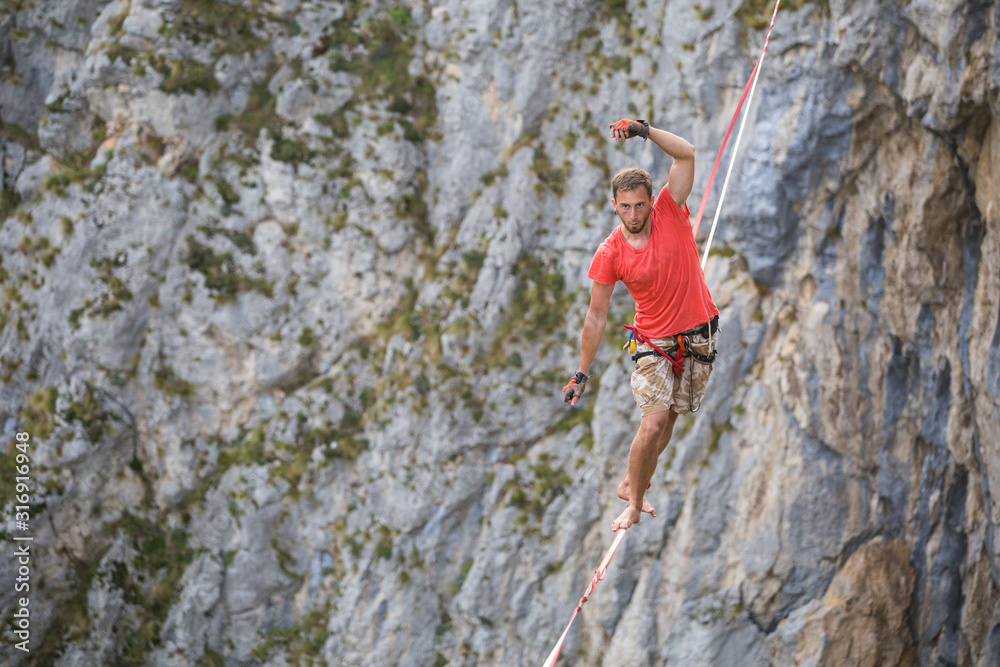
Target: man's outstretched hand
574	390
626	129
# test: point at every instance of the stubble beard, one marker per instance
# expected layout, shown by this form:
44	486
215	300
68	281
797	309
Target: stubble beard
638	226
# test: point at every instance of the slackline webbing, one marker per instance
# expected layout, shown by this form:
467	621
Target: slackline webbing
751	85
599	574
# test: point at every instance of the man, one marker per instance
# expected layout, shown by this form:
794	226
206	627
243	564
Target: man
653	252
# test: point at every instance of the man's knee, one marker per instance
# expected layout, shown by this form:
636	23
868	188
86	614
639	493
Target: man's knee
659	423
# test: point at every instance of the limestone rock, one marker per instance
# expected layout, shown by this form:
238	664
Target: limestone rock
289	290
863	619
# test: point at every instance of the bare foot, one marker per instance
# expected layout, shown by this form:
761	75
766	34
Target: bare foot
630	516
625	493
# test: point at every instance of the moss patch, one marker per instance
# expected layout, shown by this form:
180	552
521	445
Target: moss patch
168	382
39	248
538	308
379	52
74	168
231	28
550	178
90	412
259	112
188	77
549	482
403	319
149	582
14	132
756	14
118	293
298	643
71	619
223	278
9	201
37	417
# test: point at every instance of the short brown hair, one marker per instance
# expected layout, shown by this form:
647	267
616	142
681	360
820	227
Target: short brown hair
630	179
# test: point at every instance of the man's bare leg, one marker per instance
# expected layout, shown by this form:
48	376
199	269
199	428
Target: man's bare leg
624	489
642	458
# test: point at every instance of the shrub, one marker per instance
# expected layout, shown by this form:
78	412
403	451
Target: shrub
187	76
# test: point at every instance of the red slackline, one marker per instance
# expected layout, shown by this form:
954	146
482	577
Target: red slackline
748	89
599	574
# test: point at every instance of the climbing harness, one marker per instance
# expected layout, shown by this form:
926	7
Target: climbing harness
599	574
676	361
675	354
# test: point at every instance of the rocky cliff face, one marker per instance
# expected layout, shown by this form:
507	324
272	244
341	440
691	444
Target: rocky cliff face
290	288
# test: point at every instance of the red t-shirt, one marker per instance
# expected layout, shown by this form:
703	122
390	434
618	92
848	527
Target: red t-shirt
664	278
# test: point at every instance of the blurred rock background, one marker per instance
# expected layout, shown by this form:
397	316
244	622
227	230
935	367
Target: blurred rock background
289	290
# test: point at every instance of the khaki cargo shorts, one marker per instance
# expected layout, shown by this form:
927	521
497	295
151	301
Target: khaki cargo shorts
655	387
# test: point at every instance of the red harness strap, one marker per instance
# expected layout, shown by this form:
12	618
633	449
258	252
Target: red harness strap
677	362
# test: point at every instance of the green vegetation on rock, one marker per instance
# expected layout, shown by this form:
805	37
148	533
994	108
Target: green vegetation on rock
298	642
223	278
756	14
149	581
549	482
230	28
189	77
379	53
74	168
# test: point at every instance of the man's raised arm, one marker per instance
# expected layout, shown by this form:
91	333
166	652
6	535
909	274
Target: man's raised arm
681	177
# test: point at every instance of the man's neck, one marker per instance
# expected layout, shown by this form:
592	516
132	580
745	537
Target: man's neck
639	240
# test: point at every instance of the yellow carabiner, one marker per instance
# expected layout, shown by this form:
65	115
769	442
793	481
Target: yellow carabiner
630	343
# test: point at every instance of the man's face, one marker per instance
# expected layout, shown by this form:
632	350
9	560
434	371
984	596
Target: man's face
633	207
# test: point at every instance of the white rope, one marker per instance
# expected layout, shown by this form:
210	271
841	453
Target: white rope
736	149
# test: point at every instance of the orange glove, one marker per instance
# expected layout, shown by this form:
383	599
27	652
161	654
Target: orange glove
574	390
632	128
